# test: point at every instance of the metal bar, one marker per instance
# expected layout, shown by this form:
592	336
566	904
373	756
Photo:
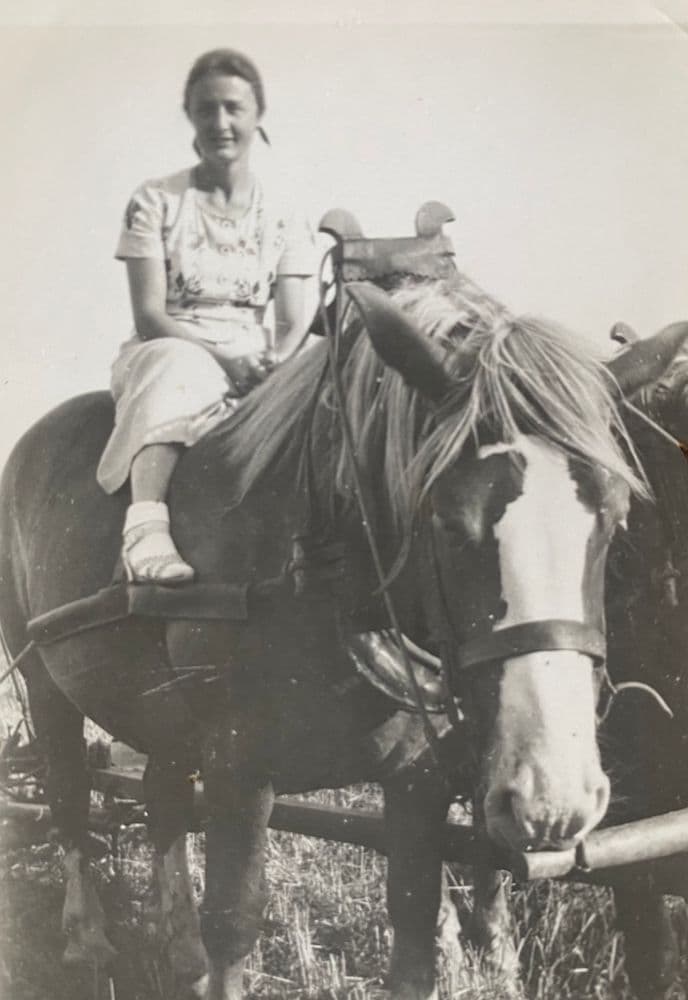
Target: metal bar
614	847
26	812
24	823
652	848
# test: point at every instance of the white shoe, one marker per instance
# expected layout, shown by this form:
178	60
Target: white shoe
148	553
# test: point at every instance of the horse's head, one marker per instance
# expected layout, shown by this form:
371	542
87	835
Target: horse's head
521	532
520	487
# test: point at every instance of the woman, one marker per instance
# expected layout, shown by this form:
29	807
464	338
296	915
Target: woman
206	249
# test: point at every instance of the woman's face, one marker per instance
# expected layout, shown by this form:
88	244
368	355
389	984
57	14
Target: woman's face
224	114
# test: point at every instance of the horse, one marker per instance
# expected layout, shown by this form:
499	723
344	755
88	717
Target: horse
647	636
475	435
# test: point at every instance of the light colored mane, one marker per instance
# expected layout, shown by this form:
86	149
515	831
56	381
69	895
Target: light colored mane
513	376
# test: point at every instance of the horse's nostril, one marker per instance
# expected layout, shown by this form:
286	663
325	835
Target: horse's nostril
602	793
526	812
575	826
515	806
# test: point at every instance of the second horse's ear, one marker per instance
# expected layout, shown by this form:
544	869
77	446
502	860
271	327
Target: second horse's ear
417	358
647	360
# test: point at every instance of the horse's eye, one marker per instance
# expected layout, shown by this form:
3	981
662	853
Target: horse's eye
466	525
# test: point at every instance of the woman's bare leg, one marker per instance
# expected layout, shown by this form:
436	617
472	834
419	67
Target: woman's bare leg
152	470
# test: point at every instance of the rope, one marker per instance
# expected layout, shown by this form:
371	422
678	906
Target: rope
28	648
670	498
332	345
647	689
617	689
652	423
447	647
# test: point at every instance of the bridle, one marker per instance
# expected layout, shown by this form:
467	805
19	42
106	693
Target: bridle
499	644
460	659
456	656
555	634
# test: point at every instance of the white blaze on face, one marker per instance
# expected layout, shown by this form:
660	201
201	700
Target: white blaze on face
542	539
545	784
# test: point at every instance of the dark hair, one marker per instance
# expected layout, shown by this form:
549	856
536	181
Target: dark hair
226	62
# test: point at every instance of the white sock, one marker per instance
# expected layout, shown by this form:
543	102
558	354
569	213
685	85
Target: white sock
145	511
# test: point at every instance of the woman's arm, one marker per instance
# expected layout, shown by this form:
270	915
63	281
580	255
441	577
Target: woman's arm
148	292
290	314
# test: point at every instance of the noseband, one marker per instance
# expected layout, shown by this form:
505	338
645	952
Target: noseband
499	644
532	637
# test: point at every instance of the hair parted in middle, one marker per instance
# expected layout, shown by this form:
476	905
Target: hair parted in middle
225	62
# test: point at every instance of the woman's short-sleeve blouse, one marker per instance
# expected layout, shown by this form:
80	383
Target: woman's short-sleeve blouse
215	265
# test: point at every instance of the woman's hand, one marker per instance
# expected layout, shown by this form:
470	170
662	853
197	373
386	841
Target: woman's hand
247	371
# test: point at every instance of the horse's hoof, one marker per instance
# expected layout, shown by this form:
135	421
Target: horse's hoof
199	989
191	971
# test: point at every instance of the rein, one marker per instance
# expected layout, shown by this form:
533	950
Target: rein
333	338
456	656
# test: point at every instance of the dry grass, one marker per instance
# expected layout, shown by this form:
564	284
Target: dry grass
326	935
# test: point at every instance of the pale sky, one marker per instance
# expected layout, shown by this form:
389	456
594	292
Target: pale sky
556	131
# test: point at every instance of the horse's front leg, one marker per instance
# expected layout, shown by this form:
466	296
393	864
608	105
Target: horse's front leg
235	894
83	918
169	799
414	813
59	729
652	948
492	930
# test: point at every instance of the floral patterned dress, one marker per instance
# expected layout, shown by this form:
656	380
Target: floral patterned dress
220	277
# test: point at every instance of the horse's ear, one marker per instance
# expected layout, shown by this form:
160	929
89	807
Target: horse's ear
647	360
417	358
623	334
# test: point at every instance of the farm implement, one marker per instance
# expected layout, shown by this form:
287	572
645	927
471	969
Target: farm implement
652	848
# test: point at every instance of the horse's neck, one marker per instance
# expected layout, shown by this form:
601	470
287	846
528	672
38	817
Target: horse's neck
227	536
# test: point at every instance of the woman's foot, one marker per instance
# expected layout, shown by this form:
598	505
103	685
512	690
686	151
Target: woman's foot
148	552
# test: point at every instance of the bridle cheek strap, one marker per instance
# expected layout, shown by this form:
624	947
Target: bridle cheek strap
537	636
551	634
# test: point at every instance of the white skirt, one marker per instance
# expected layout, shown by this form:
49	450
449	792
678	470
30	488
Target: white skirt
166	391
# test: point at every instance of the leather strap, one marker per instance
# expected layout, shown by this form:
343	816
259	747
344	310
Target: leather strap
532	637
201	601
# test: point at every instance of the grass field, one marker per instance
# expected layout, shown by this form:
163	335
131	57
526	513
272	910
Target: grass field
326	935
